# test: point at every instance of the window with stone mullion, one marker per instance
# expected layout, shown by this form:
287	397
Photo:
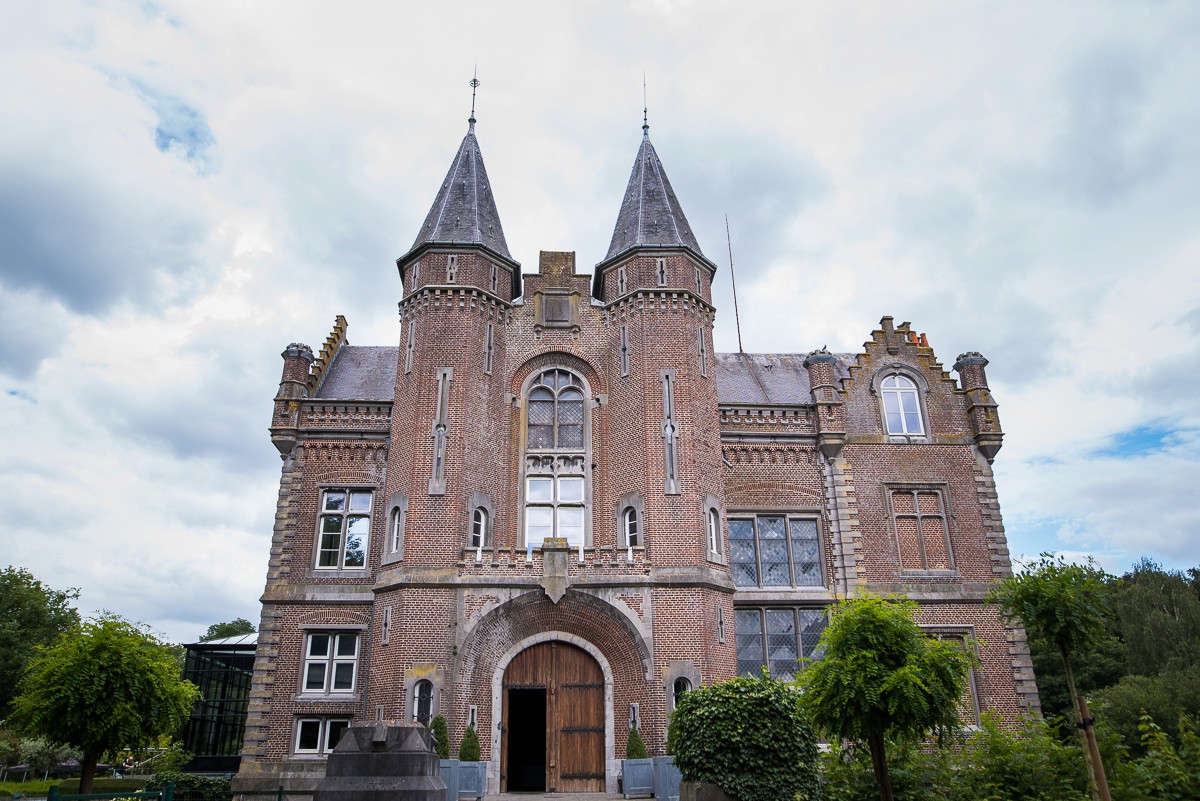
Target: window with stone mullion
777	638
775	551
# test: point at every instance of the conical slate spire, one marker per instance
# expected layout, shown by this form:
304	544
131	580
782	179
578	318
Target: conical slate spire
650	213
464	211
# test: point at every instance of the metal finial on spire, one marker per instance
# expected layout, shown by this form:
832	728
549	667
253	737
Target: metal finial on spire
645	106
474	86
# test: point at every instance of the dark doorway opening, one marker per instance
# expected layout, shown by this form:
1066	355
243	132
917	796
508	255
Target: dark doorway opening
526	767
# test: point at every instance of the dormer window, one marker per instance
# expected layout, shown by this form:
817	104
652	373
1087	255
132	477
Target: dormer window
901	406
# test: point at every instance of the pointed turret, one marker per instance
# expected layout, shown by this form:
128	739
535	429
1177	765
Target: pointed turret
464	212
650	213
651	218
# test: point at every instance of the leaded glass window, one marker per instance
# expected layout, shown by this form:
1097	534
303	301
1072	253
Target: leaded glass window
775	551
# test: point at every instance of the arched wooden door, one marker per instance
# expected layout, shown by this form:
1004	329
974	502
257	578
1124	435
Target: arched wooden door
552	721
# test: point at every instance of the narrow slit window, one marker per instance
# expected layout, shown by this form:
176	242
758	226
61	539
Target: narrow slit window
624	350
451	269
488	346
660	271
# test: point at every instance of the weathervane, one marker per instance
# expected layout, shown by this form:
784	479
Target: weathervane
474	86
645	106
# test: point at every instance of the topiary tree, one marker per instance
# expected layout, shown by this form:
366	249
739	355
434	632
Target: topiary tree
468	750
879	676
749	736
441	736
634	747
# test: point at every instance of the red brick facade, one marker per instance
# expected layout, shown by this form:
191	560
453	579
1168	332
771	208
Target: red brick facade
793	457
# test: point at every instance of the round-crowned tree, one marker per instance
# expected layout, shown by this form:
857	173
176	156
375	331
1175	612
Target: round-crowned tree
749	736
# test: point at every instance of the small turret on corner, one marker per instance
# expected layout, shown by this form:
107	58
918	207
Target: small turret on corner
830	412
980	405
293	387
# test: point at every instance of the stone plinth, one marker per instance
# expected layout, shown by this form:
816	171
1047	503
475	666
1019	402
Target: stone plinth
383	762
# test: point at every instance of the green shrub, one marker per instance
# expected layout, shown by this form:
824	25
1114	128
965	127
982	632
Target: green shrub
192	786
441	736
995	763
634	747
750	736
1164	773
468	750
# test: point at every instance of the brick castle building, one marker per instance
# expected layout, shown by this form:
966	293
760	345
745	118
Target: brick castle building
553	506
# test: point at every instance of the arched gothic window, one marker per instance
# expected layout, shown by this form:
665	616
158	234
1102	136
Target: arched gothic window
423	701
479	527
555	479
681	686
901	405
630	527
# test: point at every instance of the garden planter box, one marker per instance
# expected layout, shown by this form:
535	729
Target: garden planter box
666	779
638	777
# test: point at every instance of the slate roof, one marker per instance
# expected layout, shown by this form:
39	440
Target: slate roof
464	211
361	373
768	378
650	213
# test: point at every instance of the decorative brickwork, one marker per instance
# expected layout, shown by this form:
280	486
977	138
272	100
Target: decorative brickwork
766	487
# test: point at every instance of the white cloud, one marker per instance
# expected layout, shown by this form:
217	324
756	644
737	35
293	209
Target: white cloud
190	187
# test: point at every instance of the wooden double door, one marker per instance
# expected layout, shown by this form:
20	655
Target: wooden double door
552	721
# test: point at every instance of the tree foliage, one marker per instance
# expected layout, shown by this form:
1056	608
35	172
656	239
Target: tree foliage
110	685
468	749
996	763
750	736
880	676
1061	604
239	625
31	614
1164	773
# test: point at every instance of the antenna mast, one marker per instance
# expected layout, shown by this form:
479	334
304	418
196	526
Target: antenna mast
736	318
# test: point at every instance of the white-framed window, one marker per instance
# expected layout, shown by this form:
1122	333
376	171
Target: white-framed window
330	662
319	735
480	526
922	536
631	532
555	489
344	529
422	705
779	638
775	550
901	406
713	527
396	530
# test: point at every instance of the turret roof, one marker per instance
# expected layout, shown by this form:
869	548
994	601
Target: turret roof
650	213
464	211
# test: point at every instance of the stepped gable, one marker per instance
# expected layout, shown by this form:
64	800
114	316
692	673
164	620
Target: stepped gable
650	213
464	211
769	378
361	373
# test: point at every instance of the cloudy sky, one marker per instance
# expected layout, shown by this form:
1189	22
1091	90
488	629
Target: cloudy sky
187	188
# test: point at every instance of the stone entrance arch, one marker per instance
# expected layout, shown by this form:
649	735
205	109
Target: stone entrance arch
554	693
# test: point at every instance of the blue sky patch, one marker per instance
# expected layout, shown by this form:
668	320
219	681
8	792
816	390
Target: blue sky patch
1138	441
